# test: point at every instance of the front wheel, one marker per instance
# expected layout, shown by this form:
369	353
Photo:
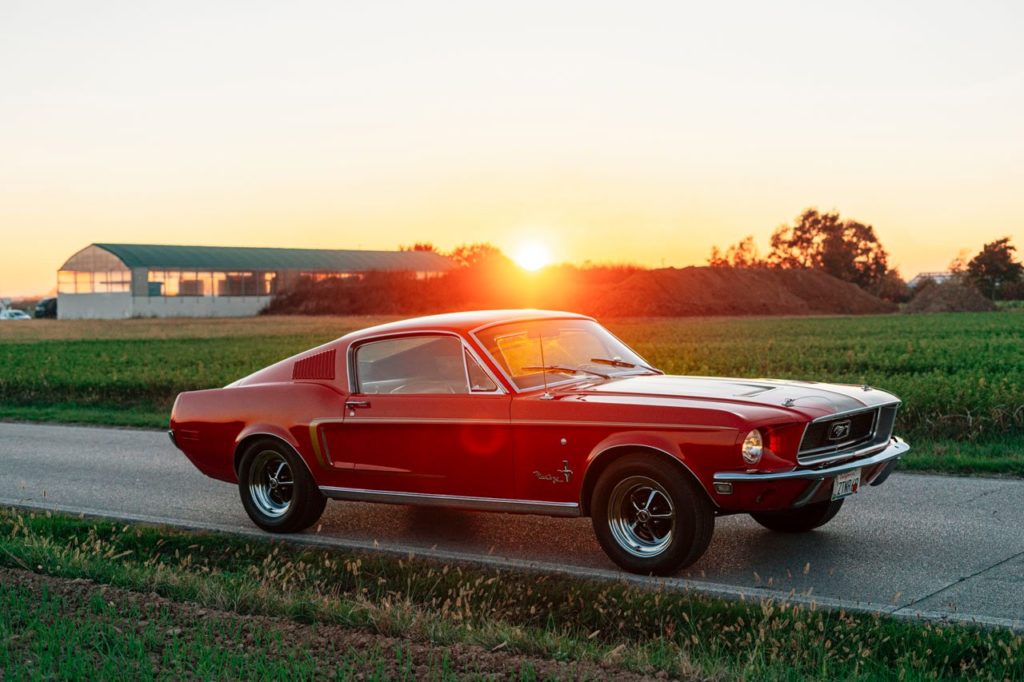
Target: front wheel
650	517
799	520
277	491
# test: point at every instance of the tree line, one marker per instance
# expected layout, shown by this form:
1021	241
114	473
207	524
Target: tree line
851	251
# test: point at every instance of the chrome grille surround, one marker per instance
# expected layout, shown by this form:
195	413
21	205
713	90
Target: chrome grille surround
882	422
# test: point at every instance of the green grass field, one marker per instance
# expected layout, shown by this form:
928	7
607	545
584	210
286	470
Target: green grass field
961	376
179	602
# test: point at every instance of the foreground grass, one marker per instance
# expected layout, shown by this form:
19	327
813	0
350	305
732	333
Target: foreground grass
961	376
551	617
76	630
43	635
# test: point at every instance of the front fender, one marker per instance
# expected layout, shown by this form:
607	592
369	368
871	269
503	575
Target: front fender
637	439
678	447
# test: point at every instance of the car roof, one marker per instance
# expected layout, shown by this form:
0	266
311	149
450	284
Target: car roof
462	322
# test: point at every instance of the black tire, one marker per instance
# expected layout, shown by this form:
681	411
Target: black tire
799	520
655	546
289	504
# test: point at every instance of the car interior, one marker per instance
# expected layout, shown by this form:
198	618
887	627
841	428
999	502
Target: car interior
419	365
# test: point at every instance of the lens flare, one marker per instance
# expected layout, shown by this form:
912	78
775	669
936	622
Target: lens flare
532	256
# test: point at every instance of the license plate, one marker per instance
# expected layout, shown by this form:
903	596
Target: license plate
846	484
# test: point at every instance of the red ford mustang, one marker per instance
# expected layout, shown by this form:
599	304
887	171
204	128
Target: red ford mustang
541	413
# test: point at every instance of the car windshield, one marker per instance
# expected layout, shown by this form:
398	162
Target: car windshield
570	350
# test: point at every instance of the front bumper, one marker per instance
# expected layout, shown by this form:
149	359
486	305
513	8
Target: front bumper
876	466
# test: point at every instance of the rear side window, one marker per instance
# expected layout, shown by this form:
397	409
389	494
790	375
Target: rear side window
412	364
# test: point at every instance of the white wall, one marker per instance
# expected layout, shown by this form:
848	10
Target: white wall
94	306
197	306
119	306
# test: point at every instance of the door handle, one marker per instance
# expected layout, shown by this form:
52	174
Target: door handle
355	404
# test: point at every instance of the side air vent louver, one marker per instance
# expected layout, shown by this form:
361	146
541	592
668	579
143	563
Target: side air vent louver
319	366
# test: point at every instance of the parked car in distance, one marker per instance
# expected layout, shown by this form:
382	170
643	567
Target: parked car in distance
542	413
14	314
47	308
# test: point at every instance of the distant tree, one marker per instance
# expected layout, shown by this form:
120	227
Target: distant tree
419	246
846	249
891	287
994	267
742	254
1012	291
469	255
958	266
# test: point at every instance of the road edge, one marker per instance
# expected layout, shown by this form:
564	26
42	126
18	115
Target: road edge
719	590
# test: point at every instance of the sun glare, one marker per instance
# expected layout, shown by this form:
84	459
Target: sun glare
532	256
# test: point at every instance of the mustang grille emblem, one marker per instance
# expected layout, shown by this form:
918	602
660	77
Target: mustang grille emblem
839	430
561	476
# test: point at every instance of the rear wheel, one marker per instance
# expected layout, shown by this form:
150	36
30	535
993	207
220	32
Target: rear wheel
799	520
277	491
650	517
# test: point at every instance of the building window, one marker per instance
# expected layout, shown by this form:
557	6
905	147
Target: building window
198	283
269	287
65	282
163	283
100	282
169	283
315	277
239	284
112	282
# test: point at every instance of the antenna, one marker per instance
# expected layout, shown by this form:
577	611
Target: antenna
543	371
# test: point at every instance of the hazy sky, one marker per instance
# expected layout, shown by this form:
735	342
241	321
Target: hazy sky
618	131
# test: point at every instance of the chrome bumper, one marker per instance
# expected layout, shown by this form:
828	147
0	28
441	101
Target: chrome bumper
896	449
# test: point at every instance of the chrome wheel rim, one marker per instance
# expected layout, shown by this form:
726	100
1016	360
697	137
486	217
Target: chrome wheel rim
271	484
641	516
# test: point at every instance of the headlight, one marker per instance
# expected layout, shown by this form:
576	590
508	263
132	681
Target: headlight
753	447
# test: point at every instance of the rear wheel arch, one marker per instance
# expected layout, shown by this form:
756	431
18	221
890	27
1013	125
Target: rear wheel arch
606	457
242	445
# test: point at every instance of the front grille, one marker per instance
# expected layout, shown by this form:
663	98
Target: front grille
839	433
834	438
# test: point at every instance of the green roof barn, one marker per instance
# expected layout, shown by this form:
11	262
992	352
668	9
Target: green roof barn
107	281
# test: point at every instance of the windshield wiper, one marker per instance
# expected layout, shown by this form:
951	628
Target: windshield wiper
623	363
565	370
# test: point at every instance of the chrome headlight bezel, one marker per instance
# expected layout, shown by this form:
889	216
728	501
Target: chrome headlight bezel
753	447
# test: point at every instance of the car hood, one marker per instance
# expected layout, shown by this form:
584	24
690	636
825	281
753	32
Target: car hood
811	399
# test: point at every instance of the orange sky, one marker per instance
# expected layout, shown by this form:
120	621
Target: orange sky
607	132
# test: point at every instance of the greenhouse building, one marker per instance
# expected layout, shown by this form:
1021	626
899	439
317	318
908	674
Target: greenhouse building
110	281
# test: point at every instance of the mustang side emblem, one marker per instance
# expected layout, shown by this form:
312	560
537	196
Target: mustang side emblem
565	472
839	430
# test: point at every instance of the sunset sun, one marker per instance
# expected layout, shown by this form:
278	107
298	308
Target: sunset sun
532	256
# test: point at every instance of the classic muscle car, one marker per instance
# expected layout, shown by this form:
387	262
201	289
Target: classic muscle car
542	413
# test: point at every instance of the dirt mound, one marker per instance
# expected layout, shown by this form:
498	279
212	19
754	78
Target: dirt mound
948	297
603	292
702	291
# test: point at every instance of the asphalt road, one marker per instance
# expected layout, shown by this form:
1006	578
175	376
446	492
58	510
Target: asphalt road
918	546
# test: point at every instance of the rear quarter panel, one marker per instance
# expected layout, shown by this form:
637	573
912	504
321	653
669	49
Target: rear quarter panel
208	425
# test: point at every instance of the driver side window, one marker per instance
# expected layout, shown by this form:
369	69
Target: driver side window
412	365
